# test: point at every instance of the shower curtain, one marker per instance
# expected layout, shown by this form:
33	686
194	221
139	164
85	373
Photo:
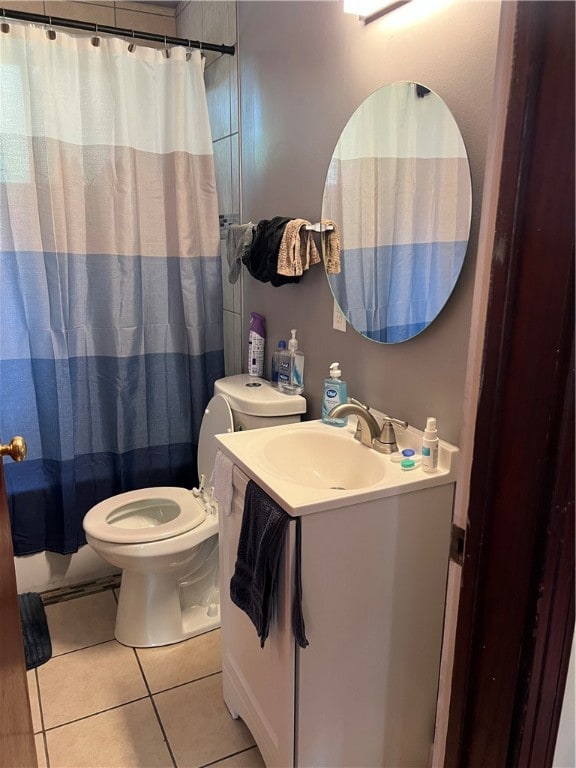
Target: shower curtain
111	295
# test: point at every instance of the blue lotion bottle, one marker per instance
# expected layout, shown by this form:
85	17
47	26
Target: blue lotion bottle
335	393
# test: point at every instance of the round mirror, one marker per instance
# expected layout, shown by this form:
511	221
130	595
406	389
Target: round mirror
399	190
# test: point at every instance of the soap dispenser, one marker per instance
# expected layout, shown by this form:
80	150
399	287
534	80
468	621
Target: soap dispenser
291	368
335	393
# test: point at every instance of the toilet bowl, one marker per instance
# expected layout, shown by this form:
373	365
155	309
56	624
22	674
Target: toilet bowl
165	539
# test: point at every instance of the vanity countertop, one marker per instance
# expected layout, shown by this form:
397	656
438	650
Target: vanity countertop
370	475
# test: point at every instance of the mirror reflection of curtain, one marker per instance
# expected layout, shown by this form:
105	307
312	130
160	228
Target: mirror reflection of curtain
402	250
111	316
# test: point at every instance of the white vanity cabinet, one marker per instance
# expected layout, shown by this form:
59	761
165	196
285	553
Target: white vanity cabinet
363	693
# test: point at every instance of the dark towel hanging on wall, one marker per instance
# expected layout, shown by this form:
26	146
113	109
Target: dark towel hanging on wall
262	258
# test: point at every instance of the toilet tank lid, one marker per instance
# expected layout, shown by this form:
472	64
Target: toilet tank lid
254	396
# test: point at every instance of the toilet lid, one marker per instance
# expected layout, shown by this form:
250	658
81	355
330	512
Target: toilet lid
217	420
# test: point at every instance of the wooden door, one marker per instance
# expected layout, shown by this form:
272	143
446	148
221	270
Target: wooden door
16	732
516	614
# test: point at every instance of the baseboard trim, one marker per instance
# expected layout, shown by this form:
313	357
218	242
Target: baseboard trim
71	591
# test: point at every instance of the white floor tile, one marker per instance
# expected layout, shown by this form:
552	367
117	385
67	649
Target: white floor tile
81	622
88	681
126	737
198	726
181	663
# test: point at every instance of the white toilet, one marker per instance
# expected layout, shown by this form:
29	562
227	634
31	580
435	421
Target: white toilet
165	539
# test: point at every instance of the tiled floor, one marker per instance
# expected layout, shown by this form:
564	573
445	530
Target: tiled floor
99	704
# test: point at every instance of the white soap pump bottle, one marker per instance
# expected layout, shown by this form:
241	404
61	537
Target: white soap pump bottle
430	444
291	368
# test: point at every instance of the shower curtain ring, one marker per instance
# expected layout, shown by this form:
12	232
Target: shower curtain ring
50	34
95	40
5	27
132	45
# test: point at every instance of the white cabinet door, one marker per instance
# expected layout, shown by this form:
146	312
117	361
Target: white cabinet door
373	590
258	682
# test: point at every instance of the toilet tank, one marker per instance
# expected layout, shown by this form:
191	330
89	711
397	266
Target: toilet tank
255	403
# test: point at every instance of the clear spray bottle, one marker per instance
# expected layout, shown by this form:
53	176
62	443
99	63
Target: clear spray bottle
430	446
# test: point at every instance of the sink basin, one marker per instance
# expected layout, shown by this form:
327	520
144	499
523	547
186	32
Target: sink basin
316	459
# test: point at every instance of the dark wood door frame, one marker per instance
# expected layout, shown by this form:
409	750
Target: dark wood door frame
516	613
17	748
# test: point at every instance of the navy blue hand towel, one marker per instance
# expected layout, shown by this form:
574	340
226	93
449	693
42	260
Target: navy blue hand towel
253	586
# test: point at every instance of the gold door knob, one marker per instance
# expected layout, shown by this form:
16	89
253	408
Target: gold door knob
16	449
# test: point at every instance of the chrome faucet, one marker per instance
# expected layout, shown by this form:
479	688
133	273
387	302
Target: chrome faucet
369	432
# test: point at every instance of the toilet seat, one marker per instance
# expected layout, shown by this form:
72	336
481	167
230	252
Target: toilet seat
155	514
115	519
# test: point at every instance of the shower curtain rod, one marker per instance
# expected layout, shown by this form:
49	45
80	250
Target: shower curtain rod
56	21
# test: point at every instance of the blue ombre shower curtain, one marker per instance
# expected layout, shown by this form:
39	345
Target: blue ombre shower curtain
111	295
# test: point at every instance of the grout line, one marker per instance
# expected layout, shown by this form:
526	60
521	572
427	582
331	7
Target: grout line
46	753
42	728
85	648
43	731
39	699
94	714
226	757
188	682
160	723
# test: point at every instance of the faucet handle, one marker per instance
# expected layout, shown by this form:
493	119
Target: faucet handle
398	422
386	443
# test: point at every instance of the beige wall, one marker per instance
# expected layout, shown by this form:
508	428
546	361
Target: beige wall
304	68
